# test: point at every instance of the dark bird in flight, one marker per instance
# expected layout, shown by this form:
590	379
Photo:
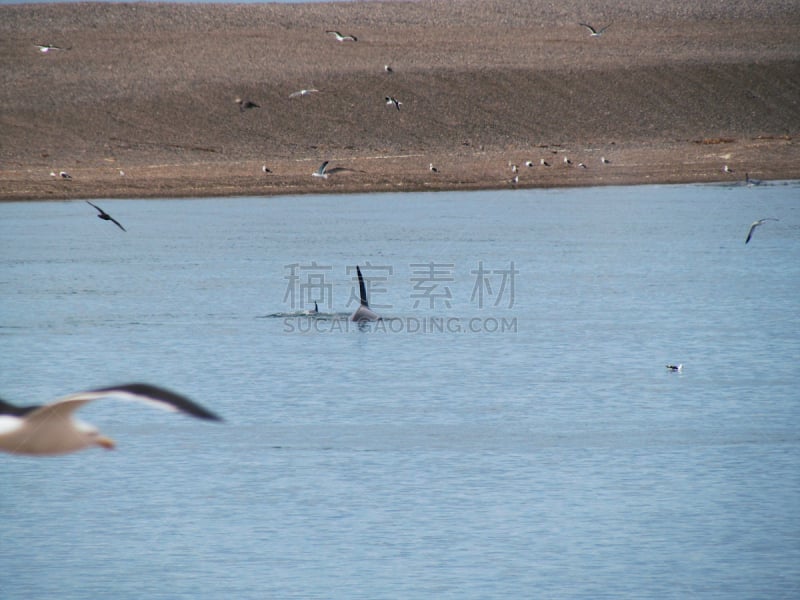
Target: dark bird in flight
106	217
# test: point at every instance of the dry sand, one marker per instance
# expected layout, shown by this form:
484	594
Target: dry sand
671	93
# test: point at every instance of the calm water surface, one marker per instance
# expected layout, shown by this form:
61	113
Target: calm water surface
509	431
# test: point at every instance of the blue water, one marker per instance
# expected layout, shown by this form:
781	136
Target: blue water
528	443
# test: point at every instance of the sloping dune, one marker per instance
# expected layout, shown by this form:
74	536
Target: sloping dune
669	93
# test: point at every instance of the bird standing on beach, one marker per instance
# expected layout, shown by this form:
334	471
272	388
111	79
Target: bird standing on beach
391	100
106	217
342	38
432	169
51	429
245	104
45	48
62	174
387	69
595	32
756	224
727	169
303	93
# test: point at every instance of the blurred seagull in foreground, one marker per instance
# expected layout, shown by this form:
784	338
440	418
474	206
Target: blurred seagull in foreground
51	429
756	224
595	32
302	93
105	216
342	38
391	100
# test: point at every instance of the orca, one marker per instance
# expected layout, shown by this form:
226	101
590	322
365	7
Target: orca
363	312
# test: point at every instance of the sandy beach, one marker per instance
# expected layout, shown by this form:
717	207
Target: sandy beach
140	99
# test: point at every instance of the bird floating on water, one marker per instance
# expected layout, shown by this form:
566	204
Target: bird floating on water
675	368
392	100
756	224
342	38
51	429
750	181
303	93
246	104
105	216
595	32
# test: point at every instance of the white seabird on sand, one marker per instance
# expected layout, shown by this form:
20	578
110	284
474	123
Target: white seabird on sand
727	169
432	168
62	174
388	69
543	162
675	368
604	160
528	163
321	171
363	312
105	216
567	161
51	429
582	166
45	48
392	100
756	224
303	93
595	32
342	38
265	169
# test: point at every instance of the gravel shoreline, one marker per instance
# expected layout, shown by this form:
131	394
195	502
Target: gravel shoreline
142	102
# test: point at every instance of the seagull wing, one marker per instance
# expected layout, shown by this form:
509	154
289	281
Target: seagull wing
750	231
142	392
100	210
117	223
322	168
604	28
589	27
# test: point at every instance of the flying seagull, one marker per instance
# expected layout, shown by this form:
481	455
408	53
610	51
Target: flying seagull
246	104
391	100
106	217
675	368
756	224
363	312
322	171
595	32
45	48
302	93
342	38
51	429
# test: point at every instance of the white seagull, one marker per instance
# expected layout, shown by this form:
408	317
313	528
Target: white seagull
342	38
543	162
303	93
432	168
391	100
45	48
567	161
595	32
322	171
604	160
51	429
756	224
388	69
528	163
727	169
62	174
